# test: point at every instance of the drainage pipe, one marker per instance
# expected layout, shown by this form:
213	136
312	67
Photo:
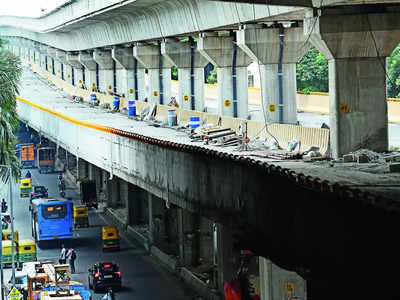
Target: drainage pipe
280	74
135	79
114	66
234	79
192	96
160	73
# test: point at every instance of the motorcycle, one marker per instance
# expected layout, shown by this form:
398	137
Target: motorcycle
109	295
61	188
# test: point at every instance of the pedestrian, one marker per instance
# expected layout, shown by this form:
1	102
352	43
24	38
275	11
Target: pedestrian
62	259
71	256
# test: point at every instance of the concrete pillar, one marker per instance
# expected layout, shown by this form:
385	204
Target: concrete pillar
357	79
156	219
73	61
277	283
86	59
82	169
43	55
219	51
180	54
126	64
188	227
106	73
149	56
225	256
113	195
65	67
263	45
36	54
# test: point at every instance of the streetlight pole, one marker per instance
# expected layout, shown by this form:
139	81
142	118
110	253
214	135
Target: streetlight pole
12	236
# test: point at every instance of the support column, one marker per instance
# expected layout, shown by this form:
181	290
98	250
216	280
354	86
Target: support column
188	225
276	50
106	75
156	219
190	65
225	256
126	66
86	59
357	78
273	280
113	192
82	169
56	65
36	54
65	68
73	61
223	53
159	72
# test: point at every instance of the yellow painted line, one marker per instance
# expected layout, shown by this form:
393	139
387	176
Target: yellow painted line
66	118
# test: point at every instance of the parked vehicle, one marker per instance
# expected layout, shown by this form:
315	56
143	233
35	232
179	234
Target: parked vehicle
88	193
104	275
46	159
81	218
26	154
26	251
110	237
39	191
25	187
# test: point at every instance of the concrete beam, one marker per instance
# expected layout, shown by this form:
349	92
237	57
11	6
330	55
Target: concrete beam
263	45
180	55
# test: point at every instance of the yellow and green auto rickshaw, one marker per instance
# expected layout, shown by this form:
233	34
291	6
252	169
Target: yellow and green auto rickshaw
26	251
110	237
25	186
6	256
81	218
7	235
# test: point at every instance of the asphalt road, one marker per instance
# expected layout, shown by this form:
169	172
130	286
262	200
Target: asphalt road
142	278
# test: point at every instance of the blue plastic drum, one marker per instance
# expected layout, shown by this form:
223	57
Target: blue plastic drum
116	102
93	98
131	108
194	122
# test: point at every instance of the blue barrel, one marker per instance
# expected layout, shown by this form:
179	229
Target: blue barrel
93	98
172	119
116	102
131	108
194	122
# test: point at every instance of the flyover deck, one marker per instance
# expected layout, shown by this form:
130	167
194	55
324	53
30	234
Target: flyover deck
352	178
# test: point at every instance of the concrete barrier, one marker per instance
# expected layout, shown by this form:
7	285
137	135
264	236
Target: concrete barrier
197	285
170	262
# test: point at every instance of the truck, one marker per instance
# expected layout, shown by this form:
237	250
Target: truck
88	193
26	154
46	159
47	280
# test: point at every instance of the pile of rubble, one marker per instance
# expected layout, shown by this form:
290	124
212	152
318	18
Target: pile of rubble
364	156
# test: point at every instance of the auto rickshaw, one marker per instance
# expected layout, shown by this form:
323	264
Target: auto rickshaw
26	251
6	257
25	186
110	237
81	218
7	235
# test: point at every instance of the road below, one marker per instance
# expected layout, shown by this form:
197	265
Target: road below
142	278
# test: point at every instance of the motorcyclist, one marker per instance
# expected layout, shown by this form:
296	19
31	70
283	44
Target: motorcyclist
28	175
3	205
60	177
109	295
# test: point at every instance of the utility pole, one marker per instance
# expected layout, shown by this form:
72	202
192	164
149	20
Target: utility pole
12	237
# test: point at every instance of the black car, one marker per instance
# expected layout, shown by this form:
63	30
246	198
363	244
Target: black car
39	191
104	275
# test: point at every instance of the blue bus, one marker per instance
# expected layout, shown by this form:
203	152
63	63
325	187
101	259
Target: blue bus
51	219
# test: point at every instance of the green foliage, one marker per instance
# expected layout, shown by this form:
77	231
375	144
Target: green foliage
174	73
212	78
393	73
312	72
10	73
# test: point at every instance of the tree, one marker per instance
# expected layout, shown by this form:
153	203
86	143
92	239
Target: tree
312	72
10	74
393	73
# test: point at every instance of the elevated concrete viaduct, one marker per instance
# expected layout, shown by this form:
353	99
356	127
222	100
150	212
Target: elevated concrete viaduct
335	237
